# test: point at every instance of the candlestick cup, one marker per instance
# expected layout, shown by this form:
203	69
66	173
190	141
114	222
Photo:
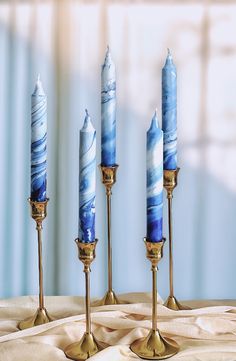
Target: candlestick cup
154	346
39	213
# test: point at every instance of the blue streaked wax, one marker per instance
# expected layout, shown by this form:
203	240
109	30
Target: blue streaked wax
169	110
154	181
87	181
38	143
108	112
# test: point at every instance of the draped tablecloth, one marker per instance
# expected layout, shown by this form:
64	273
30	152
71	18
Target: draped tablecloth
207	332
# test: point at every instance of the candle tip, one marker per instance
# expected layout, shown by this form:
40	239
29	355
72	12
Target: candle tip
169	59
87	126
108	59
38	90
154	122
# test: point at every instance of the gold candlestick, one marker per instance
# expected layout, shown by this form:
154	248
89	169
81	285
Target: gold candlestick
88	345
38	213
154	346
109	179
170	182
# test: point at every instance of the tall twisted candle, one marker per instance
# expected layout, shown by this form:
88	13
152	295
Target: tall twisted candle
87	180
108	107
169	120
154	181
38	143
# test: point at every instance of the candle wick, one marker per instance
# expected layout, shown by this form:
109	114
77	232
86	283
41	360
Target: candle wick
86	111
168	51
38	79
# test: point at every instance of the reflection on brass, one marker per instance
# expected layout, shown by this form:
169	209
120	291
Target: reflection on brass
88	345
39	318
38	213
109	179
170	182
154	346
85	348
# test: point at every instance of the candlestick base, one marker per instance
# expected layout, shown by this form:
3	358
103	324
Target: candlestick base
85	348
110	298
174	305
154	347
39	318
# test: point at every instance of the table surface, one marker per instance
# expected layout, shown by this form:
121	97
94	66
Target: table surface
207	332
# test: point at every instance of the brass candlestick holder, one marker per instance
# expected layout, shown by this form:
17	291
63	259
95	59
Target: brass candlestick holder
38	213
109	179
154	346
88	345
170	182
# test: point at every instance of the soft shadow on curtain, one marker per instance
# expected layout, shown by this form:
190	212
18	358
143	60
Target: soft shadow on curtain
65	42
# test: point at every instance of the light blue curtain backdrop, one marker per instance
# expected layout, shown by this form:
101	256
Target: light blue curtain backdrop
65	42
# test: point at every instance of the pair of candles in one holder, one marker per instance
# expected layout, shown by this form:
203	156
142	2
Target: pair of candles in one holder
156	159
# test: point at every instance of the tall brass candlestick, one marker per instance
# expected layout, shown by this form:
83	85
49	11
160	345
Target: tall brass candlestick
170	182
88	345
109	179
38	213
154	346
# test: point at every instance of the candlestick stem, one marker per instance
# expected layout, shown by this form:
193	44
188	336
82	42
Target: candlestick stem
169	197
108	194
88	345
87	298
154	346
170	182
39	213
40	265
154	298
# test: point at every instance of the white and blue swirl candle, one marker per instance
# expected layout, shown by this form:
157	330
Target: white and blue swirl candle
169	113
108	112
38	143
87	181
154	181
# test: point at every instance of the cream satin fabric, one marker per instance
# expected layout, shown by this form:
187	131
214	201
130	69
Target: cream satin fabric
206	333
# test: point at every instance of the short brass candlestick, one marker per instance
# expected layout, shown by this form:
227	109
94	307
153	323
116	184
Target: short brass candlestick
109	179
88	345
38	213
170	182
154	346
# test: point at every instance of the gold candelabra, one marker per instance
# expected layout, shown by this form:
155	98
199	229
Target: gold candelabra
38	213
154	346
170	182
88	345
109	179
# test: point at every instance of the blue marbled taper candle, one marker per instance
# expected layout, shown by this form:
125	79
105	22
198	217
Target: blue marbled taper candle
38	143
169	107
87	181
154	181
108	108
